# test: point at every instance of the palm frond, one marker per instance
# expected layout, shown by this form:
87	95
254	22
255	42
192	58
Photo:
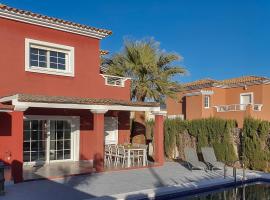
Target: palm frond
151	69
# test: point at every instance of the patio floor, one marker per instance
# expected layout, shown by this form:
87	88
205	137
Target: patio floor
109	183
65	169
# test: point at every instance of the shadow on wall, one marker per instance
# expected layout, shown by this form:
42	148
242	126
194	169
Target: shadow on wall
13	171
5	125
16	171
138	128
98	162
184	106
12	168
86	117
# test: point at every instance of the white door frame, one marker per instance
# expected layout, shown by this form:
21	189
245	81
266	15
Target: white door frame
75	137
116	130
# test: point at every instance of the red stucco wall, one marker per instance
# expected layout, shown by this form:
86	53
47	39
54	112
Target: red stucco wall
88	136
87	81
11	145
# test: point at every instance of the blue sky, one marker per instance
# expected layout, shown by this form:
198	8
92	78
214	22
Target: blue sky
218	39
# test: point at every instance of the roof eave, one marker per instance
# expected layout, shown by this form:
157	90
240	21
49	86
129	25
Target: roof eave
53	24
21	104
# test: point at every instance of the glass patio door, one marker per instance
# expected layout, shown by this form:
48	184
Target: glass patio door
60	140
47	141
35	141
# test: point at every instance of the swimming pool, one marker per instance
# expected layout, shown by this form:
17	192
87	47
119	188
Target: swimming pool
257	190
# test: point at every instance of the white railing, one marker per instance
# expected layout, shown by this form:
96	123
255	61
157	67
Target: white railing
176	116
114	80
237	107
257	107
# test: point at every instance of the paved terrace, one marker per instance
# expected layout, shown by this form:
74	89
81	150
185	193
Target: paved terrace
110	183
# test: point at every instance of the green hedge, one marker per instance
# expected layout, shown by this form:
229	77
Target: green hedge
256	145
172	129
217	133
208	132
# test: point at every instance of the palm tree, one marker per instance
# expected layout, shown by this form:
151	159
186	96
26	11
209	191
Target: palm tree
150	69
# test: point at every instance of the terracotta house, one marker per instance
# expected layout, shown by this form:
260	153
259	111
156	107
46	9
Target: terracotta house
55	104
234	98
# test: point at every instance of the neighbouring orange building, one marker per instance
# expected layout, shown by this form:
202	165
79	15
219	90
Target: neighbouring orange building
234	98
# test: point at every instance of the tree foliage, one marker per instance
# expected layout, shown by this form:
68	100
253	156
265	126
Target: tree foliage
151	70
208	132
255	146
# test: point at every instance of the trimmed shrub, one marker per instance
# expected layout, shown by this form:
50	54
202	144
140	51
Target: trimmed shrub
208	132
255	146
172	129
218	133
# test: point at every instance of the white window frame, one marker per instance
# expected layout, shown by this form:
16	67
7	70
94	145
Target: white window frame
248	93
68	50
121	80
208	101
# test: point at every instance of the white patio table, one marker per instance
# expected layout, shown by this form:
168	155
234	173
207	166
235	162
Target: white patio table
130	149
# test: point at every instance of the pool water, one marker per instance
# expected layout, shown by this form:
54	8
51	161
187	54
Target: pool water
258	191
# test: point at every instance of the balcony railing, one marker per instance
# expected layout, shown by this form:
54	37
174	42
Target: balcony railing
114	80
238	107
257	107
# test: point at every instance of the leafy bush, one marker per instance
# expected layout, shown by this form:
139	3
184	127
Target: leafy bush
172	129
218	133
208	132
255	148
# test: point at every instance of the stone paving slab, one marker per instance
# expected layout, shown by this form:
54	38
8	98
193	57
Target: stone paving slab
112	183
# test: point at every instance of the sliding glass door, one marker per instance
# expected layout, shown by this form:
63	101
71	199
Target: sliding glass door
35	140
60	140
47	140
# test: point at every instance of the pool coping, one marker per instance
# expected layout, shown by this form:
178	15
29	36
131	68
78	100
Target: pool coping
190	188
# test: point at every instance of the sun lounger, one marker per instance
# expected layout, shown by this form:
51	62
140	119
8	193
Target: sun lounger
192	159
210	158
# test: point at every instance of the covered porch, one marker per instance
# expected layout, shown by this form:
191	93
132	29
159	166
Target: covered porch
52	136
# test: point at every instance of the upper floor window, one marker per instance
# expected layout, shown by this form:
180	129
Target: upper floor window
50	58
206	101
246	98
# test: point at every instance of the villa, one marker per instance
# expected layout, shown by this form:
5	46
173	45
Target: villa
55	103
234	98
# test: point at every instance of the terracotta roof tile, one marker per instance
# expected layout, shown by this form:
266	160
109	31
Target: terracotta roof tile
78	100
52	19
199	84
204	83
243	79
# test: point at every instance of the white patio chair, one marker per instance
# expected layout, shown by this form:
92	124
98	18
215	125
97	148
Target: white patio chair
140	154
137	157
114	154
122	156
108	155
